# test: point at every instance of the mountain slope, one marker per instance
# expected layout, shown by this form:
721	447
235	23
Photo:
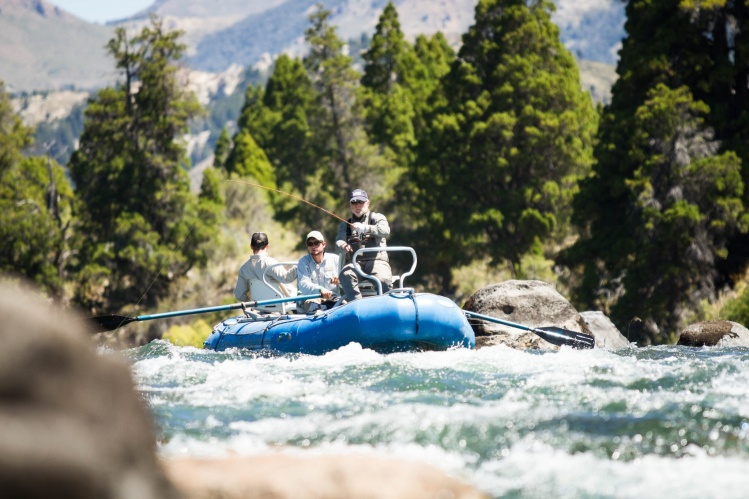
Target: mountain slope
241	33
42	47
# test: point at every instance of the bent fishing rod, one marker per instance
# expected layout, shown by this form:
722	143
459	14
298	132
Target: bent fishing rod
299	198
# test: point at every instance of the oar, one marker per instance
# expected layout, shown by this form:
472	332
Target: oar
112	322
554	335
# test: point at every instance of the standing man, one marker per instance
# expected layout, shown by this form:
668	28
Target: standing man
369	229
254	268
318	273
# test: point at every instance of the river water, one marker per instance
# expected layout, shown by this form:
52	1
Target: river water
634	423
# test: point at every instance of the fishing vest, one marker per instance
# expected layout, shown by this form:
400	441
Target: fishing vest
366	240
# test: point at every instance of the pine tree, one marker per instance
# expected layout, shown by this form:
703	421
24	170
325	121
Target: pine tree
390	109
351	161
383	59
141	220
247	159
37	205
688	202
669	45
507	148
221	152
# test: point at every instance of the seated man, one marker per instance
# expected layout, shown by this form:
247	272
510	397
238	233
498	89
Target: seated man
253	270
369	229
318	273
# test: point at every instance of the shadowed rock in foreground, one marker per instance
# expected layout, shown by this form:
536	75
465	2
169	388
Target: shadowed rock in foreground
72	424
280	476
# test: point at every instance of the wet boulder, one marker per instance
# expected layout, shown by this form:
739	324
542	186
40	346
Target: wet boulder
72	422
714	333
606	333
530	303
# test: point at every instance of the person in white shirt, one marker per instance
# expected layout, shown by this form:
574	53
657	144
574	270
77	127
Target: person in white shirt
254	268
317	272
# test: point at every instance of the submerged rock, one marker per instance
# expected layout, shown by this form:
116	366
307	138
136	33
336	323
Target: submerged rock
72	422
714	333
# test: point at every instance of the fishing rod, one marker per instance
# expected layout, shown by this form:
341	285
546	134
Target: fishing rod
291	196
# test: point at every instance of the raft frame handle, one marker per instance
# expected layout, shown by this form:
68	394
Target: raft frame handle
386	249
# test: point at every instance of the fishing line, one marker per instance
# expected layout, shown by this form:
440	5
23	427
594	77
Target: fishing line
189	232
291	196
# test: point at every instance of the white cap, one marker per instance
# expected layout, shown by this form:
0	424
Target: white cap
316	234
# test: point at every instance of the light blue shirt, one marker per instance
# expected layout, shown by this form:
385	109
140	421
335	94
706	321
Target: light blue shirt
313	276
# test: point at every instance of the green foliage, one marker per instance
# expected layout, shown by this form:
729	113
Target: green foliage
14	136
223	146
144	228
501	157
308	122
248	160
349	158
685	202
384	58
697	44
278	119
389	104
655	145
36	201
188	335
737	309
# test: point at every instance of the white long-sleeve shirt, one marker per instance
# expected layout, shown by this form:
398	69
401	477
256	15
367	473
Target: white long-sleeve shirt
313	276
254	269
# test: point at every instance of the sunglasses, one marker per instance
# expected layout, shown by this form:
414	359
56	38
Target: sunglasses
314	243
358	202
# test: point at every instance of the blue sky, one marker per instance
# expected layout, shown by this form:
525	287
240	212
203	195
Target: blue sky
101	11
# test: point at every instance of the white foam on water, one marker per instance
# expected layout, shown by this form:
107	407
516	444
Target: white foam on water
595	423
540	471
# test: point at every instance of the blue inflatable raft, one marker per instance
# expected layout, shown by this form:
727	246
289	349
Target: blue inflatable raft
401	320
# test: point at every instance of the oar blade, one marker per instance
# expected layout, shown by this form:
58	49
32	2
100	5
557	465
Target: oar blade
564	337
105	323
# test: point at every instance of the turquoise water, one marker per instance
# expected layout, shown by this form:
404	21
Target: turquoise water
632	423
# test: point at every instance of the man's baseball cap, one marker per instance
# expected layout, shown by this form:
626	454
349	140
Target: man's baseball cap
358	195
315	234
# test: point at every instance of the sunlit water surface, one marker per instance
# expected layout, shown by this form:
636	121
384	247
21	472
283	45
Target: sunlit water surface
634	423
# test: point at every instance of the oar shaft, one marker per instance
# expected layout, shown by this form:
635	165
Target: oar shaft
498	321
554	335
220	308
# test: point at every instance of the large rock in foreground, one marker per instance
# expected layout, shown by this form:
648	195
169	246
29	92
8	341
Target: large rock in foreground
72	422
281	476
714	333
530	303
